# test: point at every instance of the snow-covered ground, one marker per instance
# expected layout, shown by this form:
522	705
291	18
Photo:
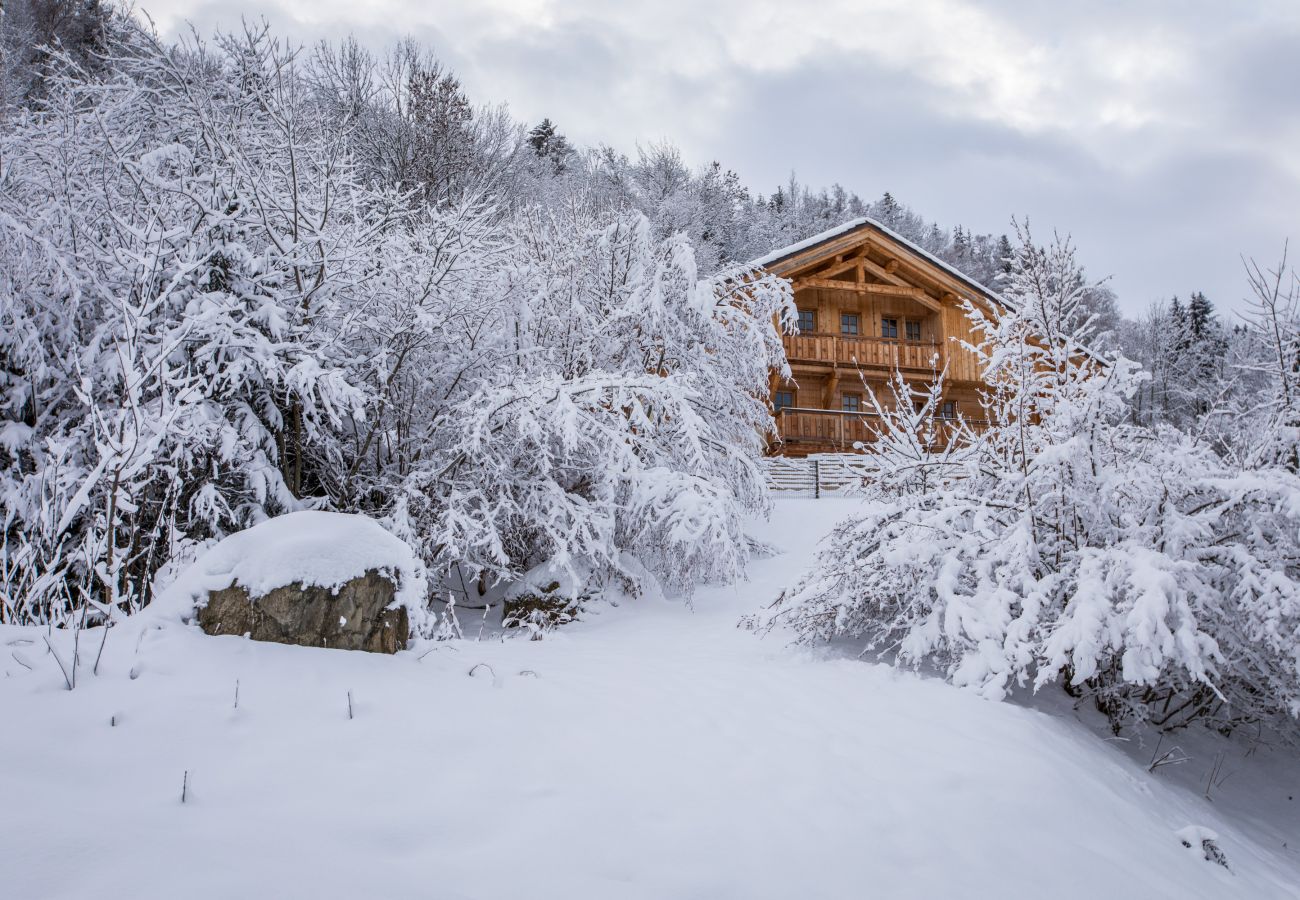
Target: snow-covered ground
650	751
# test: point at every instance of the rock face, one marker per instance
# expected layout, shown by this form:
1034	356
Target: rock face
353	618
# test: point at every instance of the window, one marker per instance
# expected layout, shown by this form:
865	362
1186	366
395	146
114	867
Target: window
889	328
807	320
848	323
782	400
851	402
948	410
913	330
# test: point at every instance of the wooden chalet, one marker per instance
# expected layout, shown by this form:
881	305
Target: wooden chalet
870	302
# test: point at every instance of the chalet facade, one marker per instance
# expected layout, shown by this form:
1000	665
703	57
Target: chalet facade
870	303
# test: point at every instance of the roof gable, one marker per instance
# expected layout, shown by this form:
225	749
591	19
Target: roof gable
913	266
939	283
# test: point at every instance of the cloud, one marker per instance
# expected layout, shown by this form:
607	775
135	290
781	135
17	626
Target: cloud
1161	135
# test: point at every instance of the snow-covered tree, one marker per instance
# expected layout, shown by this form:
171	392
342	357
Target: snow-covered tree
615	419
1270	420
182	244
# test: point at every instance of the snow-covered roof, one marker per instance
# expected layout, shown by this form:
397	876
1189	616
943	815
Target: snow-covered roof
867	222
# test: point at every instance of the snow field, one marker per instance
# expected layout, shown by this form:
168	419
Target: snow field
656	751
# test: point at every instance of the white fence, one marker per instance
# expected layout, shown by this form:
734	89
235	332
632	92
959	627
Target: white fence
816	474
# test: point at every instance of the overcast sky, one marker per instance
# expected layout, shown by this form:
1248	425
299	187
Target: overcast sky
1165	135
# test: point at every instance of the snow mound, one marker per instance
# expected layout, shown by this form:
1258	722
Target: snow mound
323	549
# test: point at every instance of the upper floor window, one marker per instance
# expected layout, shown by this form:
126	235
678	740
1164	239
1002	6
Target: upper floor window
848	323
948	410
913	330
807	320
851	402
782	400
889	328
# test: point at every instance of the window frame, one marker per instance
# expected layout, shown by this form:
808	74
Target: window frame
948	409
892	323
777	405
850	396
812	320
857	324
908	326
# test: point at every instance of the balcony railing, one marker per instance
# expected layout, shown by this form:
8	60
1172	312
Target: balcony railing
831	429
864	352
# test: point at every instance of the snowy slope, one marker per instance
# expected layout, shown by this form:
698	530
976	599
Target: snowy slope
651	751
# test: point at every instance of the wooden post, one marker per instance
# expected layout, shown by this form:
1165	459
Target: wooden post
817	479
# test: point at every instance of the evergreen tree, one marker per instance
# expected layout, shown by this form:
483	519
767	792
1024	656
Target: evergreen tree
1005	254
961	243
1178	320
888	210
1200	316
549	144
1194	357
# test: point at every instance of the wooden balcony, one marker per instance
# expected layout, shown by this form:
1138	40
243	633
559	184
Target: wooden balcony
864	352
804	430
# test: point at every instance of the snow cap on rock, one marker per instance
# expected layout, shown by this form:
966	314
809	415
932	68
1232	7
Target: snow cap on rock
309	547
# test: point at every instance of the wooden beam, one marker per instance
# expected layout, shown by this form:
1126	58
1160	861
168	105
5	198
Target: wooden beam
884	273
928	302
859	263
834	264
889	290
811	265
839	267
839	284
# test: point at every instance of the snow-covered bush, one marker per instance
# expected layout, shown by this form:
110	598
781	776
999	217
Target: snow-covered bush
1062	544
613	418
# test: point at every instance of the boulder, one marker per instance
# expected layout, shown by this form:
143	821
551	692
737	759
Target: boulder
355	616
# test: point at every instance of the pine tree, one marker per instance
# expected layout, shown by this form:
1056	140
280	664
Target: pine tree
549	144
1178	316
1194	360
1005	254
1200	316
961	243
888	210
